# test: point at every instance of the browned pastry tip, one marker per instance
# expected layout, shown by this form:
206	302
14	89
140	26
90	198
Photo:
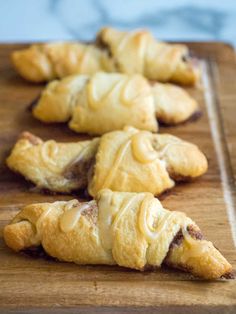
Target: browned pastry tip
34	140
18	235
212	265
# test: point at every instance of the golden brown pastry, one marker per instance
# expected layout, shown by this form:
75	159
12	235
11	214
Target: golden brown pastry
113	51
139	52
128	229
128	160
140	161
99	104
45	62
105	102
48	164
173	104
59	98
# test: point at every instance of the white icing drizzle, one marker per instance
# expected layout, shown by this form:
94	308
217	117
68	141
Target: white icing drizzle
165	149
142	148
196	247
108	219
85	57
148	230
48	155
163	164
125	206
120	155
81	154
94	101
164	220
140	50
128	36
105	216
125	100
124	94
71	215
42	217
158	215
157	225
125	40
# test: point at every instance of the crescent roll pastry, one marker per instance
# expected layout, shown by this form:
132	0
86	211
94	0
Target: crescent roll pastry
58	99
105	102
98	104
48	164
140	161
139	52
173	104
45	62
128	160
110	103
129	229
113	51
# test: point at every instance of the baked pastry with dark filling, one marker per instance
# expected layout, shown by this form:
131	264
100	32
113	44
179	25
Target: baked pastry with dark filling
127	229
128	161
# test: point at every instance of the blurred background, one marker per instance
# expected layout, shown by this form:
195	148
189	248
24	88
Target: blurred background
42	20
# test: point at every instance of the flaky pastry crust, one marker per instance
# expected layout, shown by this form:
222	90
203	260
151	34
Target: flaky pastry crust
105	102
50	165
114	50
139	52
128	229
128	160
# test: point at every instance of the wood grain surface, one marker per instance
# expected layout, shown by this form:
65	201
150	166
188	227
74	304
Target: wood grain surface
39	285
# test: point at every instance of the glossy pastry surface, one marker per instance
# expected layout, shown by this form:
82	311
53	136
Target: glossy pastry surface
139	52
128	160
108	101
121	51
128	229
140	161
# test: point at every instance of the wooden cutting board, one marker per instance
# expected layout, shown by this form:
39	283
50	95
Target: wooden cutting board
35	284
